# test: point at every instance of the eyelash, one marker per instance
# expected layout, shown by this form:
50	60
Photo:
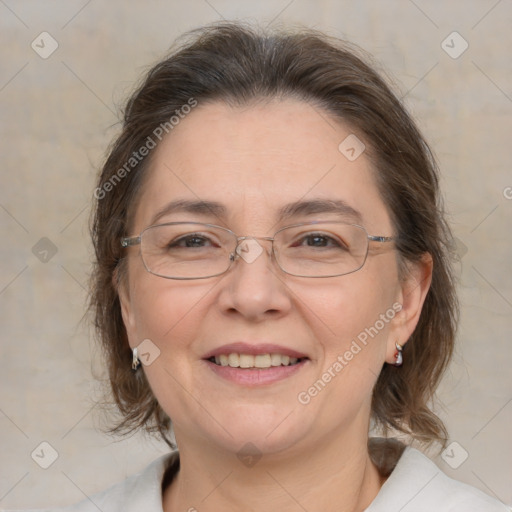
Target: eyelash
308	236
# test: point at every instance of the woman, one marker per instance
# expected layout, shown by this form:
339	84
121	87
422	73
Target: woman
273	275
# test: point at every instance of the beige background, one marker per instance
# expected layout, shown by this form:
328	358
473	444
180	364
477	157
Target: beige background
58	116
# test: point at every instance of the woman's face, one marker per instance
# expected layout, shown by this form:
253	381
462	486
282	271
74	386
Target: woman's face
254	161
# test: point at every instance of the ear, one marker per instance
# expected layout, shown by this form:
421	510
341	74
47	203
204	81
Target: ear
120	282
413	290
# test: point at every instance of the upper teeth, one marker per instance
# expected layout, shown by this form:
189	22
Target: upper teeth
249	361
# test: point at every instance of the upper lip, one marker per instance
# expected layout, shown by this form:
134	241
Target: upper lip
241	347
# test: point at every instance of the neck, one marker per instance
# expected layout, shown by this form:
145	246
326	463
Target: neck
337	475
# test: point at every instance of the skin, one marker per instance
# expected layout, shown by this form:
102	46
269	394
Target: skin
254	160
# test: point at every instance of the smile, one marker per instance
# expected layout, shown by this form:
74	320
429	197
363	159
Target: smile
248	361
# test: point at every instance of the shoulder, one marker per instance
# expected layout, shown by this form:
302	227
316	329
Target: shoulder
417	484
141	491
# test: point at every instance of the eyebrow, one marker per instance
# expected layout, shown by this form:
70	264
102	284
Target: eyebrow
316	206
202	208
300	208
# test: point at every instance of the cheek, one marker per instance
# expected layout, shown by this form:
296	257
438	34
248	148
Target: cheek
351	319
351	307
169	314
167	311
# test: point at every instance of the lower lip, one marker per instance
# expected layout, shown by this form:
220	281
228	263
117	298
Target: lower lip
255	376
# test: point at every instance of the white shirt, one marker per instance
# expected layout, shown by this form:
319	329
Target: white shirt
415	485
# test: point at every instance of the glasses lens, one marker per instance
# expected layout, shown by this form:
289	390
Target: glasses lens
323	249
186	250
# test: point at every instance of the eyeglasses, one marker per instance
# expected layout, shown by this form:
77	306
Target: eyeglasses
193	250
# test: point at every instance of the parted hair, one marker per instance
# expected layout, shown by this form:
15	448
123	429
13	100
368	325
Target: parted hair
239	64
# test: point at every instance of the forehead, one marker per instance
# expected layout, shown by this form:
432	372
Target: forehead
258	161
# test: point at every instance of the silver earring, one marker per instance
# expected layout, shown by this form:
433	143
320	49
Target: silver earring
135	360
398	354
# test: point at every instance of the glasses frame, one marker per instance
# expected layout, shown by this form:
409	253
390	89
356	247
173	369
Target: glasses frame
131	241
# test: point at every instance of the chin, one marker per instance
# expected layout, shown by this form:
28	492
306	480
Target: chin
264	429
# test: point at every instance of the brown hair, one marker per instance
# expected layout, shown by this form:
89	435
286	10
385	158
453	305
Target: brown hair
238	64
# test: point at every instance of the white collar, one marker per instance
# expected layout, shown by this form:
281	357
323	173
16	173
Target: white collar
418	485
415	485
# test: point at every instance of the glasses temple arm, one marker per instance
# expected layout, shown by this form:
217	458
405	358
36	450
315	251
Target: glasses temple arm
374	238
130	241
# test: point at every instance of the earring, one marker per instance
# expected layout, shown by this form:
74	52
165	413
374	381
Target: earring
135	360
398	354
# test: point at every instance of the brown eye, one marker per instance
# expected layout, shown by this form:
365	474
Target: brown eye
320	240
189	241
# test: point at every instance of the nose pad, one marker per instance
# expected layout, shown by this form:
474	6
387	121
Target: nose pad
248	249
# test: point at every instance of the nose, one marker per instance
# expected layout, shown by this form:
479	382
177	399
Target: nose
254	285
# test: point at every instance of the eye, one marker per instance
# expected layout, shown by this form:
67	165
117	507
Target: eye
316	240
191	240
320	240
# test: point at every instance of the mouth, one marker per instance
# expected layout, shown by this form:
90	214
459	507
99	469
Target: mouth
259	361
255	364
